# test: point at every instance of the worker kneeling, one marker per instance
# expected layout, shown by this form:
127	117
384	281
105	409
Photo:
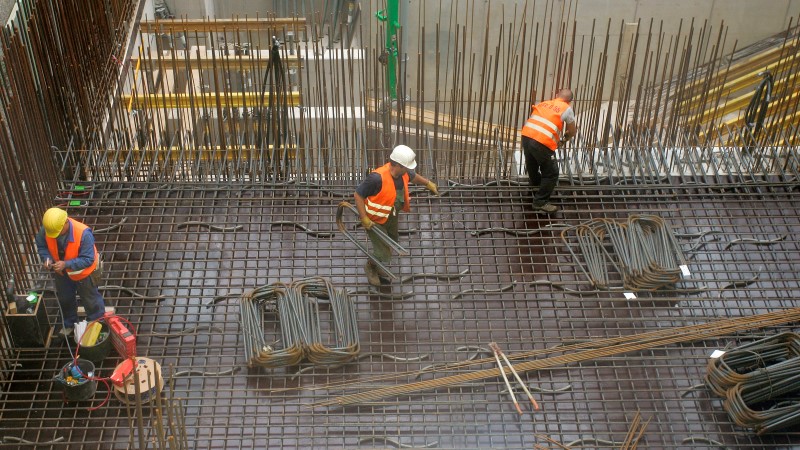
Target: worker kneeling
378	199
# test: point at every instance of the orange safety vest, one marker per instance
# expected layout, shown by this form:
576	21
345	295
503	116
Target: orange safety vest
544	124
72	250
380	205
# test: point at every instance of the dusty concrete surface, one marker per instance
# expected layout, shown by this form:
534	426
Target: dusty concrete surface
5	9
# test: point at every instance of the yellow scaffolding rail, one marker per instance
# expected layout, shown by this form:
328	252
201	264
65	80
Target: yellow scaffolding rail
222	61
201	25
205	154
738	103
212	100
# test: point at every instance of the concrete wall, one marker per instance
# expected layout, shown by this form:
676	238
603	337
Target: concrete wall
195	9
742	22
748	20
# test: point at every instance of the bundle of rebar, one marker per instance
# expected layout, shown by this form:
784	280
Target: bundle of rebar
635	432
297	305
759	382
586	351
642	250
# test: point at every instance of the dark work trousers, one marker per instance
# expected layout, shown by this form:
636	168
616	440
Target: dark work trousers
380	250
542	169
86	289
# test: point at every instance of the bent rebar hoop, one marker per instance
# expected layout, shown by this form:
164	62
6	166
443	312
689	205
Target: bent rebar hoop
379	232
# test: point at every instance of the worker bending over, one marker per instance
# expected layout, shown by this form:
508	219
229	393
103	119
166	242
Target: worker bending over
542	132
378	199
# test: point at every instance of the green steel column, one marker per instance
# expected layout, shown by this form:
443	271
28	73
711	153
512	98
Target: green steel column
391	17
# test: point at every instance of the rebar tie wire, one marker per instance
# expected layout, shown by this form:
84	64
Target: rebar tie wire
299	320
643	250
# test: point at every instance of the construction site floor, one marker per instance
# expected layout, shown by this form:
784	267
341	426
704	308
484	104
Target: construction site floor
483	267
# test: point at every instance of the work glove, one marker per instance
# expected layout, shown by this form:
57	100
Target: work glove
366	222
431	186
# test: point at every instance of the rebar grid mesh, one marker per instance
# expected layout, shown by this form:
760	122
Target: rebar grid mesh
168	274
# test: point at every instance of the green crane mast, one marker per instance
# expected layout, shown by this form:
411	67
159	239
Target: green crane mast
390	16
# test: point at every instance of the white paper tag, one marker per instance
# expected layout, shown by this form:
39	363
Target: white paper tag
630	295
685	270
717	353
31	298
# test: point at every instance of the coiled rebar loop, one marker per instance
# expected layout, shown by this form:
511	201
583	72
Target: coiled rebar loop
338	342
253	308
642	250
755	359
300	323
760	382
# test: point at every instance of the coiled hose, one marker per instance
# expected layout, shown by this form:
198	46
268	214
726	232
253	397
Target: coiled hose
756	111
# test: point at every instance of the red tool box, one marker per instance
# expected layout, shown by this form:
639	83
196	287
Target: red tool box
122	338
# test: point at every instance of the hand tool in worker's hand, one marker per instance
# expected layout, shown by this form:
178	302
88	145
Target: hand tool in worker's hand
503	373
496	350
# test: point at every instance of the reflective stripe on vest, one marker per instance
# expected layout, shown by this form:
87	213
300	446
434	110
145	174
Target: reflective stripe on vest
380	205
72	250
545	124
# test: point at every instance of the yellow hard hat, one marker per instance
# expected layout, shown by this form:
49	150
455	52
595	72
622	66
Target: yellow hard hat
53	221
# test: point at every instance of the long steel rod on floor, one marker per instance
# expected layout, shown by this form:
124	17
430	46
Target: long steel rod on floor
613	347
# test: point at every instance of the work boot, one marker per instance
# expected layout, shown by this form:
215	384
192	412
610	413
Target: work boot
383	276
372	274
549	208
63	335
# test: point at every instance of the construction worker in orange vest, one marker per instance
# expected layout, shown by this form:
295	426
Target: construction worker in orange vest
67	248
379	198
550	122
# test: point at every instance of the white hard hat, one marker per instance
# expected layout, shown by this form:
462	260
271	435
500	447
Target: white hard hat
403	155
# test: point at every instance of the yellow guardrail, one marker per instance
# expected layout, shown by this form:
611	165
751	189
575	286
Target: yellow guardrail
209	100
738	103
217	153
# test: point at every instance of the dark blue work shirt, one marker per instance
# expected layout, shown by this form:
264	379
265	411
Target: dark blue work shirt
373	183
85	253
